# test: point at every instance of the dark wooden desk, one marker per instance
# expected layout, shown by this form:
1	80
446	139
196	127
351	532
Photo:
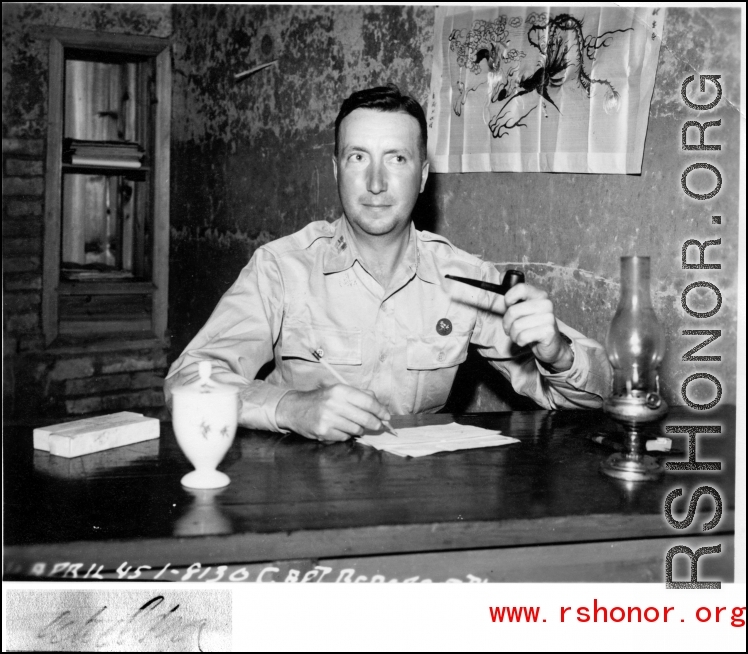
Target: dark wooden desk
538	510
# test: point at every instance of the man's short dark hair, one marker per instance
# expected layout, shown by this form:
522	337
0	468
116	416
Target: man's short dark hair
384	98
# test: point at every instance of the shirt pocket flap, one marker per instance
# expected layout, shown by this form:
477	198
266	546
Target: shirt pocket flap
339	346
432	352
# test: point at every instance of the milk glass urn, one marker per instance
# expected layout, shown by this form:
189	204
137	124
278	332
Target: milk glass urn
205	415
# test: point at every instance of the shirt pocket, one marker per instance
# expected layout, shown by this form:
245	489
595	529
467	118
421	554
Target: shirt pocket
435	351
339	346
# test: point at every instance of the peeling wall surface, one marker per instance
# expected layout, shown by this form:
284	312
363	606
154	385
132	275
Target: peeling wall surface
251	162
25	57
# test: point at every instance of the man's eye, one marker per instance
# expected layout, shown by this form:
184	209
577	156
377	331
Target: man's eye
356	157
399	158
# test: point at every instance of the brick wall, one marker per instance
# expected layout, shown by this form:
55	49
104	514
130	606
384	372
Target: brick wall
109	376
23	191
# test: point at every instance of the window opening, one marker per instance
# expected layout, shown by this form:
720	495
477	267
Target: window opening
104	197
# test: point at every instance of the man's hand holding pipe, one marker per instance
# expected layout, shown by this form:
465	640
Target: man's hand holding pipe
529	320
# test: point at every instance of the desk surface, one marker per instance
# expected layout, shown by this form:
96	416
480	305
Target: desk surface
294	498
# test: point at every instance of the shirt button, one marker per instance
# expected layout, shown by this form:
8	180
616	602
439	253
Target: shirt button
440	357
382	357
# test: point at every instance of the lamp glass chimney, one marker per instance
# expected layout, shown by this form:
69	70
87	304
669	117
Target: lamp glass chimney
636	340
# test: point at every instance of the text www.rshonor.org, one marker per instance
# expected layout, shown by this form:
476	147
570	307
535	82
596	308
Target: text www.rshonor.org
600	613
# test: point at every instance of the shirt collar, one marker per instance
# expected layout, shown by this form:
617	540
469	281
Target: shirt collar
343	253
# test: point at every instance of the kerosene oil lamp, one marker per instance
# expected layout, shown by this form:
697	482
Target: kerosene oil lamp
636	347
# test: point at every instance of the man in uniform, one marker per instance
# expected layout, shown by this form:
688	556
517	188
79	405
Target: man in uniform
367	293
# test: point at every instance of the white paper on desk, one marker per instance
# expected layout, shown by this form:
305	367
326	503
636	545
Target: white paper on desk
429	439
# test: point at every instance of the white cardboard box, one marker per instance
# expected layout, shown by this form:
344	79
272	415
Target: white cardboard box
71	439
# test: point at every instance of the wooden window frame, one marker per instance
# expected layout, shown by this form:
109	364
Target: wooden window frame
152	47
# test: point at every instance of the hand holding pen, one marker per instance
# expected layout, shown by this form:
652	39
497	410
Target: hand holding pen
318	355
331	413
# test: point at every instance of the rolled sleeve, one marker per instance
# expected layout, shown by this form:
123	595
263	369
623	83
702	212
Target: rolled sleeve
587	383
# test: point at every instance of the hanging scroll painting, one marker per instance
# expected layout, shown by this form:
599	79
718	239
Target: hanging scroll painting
542	89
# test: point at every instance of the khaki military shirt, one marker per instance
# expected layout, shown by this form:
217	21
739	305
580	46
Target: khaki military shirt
311	290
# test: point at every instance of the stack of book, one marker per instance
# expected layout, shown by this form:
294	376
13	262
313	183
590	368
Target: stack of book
115	154
93	272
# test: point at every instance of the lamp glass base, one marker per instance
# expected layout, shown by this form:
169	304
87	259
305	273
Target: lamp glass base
641	468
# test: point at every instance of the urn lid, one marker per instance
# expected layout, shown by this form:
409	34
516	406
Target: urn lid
205	385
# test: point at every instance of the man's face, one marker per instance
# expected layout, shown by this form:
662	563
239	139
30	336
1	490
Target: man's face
379	170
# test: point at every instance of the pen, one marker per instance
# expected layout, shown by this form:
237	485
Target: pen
339	377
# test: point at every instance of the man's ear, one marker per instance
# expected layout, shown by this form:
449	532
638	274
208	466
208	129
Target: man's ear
335	167
424	175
